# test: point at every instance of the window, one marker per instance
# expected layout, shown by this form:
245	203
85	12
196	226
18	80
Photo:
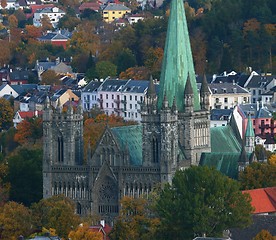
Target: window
136	115
112	105
130	97
125	114
106	96
107	105
135	106
101	96
260	91
245	99
125	98
130	106
226	100
112	96
141	99
113	12
135	98
254	92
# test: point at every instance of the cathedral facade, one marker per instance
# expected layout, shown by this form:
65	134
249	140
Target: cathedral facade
130	160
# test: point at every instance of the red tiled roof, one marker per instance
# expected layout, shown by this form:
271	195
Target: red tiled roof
91	5
30	114
263	199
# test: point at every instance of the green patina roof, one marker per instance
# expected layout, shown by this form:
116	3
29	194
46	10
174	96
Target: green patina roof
226	163
177	61
226	151
223	139
249	128
130	138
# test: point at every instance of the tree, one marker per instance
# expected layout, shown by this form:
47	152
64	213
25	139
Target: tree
25	175
83	232
200	201
125	60
57	212
137	73
105	69
15	220
4	186
5	55
272	159
6	114
29	130
263	235
46	23
135	220
50	77
258	175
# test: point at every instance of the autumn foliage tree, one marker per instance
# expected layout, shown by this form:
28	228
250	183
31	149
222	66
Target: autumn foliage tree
15	220
57	212
83	232
136	73
136	220
29	131
264	235
6	114
50	77
258	175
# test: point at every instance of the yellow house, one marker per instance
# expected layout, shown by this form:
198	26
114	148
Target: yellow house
114	11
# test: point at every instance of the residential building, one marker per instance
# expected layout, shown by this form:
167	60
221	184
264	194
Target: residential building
134	18
62	96
54	14
59	38
94	6
20	116
220	117
227	95
6	89
113	11
89	96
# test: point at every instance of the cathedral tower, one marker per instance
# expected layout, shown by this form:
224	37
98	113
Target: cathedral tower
63	140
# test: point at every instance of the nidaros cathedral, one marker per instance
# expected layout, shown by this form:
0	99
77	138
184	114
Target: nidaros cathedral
174	134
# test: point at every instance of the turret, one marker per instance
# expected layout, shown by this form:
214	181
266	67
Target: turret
249	136
243	160
188	97
204	94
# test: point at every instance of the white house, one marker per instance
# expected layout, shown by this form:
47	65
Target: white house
20	116
227	95
89	95
54	14
6	89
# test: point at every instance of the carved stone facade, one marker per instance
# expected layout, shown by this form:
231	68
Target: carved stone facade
174	131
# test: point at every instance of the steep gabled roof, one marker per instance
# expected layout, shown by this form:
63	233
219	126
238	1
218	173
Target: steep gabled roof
263	199
130	139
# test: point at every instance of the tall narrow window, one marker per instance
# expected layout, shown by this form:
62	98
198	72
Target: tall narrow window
60	149
78	151
155	150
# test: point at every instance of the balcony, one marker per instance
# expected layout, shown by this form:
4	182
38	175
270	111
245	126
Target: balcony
123	101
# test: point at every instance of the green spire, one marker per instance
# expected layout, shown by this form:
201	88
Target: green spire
177	61
249	128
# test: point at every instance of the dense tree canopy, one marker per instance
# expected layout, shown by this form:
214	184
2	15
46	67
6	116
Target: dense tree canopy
25	175
57	212
15	220
201	201
136	220
258	175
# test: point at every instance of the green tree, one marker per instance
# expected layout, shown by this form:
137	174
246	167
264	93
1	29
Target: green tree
25	175
125	60
200	201
4	186
15	220
57	212
6	114
105	69
258	175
